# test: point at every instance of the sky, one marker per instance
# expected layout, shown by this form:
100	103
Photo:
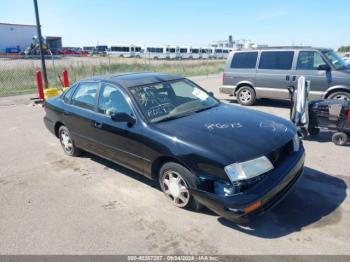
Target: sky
186	22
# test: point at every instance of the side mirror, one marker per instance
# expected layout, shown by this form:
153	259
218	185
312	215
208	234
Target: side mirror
324	67
211	94
123	117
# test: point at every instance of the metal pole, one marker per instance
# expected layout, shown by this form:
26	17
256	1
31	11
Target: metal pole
42	55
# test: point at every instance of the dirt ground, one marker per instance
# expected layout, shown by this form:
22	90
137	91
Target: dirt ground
54	204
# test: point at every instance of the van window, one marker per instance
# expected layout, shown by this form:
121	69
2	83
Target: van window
309	60
279	60
244	60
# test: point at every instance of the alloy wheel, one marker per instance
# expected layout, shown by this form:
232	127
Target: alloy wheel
66	141
341	97
245	96
175	187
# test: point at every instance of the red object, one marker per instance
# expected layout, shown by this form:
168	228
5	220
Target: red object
39	85
348	114
65	78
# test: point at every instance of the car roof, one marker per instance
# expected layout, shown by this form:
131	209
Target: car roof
132	79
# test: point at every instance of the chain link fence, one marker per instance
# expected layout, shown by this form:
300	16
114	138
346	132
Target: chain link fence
17	73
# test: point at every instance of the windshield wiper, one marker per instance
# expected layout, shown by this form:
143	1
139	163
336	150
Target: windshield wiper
173	117
205	108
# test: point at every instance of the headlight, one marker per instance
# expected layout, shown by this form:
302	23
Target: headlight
248	169
296	143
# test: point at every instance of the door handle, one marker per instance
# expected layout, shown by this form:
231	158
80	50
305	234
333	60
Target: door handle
97	124
287	78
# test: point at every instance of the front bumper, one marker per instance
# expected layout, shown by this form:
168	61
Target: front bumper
270	192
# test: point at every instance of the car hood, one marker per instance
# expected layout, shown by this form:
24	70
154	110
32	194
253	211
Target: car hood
233	132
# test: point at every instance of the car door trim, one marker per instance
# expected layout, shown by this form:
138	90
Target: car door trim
112	147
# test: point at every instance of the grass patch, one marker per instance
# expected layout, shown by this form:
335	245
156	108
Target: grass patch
21	78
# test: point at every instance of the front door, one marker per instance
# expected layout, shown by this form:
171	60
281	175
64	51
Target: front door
119	141
274	74
307	65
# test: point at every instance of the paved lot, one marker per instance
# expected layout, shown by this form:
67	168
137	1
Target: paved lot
54	204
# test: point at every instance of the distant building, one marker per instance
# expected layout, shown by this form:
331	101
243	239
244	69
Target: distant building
224	43
16	36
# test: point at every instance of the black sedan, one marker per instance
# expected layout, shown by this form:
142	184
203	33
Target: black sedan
236	161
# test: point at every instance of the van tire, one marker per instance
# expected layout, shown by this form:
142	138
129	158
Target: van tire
341	95
340	138
246	96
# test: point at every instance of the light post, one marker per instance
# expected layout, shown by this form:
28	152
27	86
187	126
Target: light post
42	55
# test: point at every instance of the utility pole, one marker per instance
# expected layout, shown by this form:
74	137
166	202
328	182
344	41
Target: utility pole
42	55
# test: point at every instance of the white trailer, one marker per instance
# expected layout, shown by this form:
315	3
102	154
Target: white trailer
16	36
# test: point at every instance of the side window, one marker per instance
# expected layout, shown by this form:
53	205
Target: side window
309	60
244	60
68	94
85	95
112	100
278	60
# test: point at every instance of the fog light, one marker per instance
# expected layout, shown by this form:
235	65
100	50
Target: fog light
252	207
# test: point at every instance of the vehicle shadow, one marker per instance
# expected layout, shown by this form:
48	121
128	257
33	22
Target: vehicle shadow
121	169
323	137
313	202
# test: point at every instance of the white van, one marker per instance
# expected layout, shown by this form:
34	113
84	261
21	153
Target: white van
195	53
154	52
172	52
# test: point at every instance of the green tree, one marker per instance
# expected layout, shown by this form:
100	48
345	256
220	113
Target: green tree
344	49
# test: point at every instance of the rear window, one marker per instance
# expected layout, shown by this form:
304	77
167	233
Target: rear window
244	60
276	60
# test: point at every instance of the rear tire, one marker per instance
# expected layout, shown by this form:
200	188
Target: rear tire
175	181
341	95
340	138
246	96
67	142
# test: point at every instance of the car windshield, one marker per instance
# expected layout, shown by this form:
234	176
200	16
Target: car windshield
168	100
336	60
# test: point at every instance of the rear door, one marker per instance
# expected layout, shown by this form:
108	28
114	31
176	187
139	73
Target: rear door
241	68
274	74
307	64
79	115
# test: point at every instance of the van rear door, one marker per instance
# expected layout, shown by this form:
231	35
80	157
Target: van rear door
241	68
274	74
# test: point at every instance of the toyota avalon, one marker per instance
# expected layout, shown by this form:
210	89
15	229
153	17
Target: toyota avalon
238	162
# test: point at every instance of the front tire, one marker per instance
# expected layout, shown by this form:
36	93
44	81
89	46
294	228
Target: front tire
175	182
246	96
341	95
67	142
